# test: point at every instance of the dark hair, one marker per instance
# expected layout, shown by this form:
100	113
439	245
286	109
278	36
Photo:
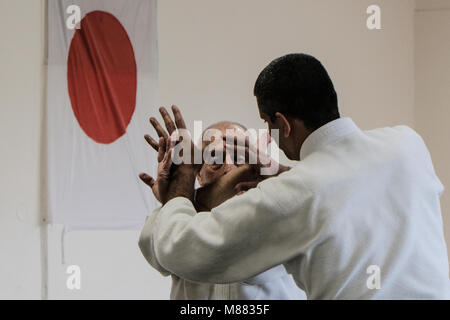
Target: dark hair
297	85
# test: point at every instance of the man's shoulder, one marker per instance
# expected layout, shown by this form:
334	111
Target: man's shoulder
399	132
402	138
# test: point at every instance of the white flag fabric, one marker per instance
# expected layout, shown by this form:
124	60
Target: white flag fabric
101	89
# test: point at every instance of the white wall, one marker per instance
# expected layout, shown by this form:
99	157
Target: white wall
433	90
20	113
111	264
210	55
212	52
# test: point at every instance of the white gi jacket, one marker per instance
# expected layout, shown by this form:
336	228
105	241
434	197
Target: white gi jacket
357	202
273	284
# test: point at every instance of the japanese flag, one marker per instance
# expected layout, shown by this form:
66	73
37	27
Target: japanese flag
101	88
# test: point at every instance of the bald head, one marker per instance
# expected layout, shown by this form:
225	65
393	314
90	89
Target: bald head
226	125
211	172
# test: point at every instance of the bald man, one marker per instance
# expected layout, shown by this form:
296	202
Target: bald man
217	184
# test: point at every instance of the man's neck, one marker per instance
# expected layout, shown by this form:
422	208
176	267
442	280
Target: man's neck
182	183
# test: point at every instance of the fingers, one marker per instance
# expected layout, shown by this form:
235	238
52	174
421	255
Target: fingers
170	125
241	139
245	149
170	144
178	118
152	142
167	120
240	154
171	135
147	179
245	186
238	142
159	129
161	149
168	160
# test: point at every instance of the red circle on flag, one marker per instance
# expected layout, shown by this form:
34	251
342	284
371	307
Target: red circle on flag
102	77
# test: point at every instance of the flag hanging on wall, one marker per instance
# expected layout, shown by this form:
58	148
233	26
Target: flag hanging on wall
101	89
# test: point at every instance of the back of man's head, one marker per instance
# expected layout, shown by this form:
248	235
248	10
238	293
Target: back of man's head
297	85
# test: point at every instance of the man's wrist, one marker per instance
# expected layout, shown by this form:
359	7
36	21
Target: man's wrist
182	183
188	170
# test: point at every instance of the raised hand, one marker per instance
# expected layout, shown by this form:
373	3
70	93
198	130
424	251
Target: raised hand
168	142
255	153
160	185
176	131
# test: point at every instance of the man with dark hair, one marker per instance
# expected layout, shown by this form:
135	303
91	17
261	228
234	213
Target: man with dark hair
358	217
308	95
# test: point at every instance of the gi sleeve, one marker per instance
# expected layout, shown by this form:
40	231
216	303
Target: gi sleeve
146	242
239	239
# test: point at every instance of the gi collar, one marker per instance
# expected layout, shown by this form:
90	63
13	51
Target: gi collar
326	134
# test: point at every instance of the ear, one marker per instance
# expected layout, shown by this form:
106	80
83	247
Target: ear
285	125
